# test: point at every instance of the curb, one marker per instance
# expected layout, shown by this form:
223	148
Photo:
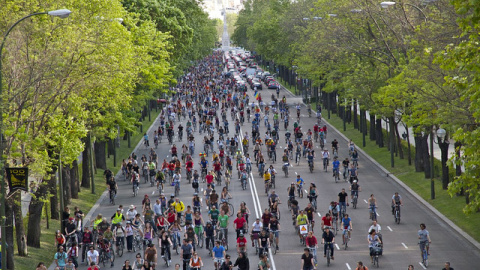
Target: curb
105	193
450	223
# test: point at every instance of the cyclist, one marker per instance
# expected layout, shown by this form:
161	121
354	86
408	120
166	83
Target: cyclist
119	235
300	183
313	192
372	203
310	156
266	177
354	188
179	207
345	164
302	219
326	221
145	139
325	157
334	209
307	260
375	226
311	242
336	167
346	225
214	213
335	145
209	234
424	237
309	211
117	218
328	238
274	228
396	200
264	263
272	198
257	227
239	224
291	192
105	246
353	173
342	200
222	225
373	240
241	243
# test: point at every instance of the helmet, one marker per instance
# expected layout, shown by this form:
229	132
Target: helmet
209	222
195	194
172	195
292	183
354	181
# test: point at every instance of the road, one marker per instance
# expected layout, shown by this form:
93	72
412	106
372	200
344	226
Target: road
400	247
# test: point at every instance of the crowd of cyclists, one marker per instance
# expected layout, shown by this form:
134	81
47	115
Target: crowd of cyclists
166	224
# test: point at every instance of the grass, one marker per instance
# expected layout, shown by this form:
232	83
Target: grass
451	207
85	202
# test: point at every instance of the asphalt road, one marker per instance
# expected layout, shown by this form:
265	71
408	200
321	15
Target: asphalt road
400	248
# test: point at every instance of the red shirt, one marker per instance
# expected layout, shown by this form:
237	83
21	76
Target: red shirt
266	218
217	166
189	164
311	241
327	221
171	217
209	178
222	153
239	222
241	242
171	166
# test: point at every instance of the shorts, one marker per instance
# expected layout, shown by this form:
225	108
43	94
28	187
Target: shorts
218	260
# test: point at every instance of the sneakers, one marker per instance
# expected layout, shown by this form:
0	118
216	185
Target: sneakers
163	256
253	245
277	247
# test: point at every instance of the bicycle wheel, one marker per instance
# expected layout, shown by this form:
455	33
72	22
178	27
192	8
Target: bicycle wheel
103	259
354	203
231	209
201	240
120	250
328	257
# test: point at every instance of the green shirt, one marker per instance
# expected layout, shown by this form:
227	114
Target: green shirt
108	235
214	214
223	220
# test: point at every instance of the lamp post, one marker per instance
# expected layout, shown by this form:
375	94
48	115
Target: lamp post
443	144
388	4
61	13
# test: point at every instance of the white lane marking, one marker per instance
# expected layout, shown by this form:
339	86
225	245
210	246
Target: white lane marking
378	214
390	228
153	192
405	246
318	213
291	165
365	201
306	191
421	264
336	245
295	173
348	266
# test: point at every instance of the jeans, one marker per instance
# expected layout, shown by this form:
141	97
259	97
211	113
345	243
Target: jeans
325	248
166	249
186	260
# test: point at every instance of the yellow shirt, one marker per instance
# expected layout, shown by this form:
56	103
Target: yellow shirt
267	177
302	219
179	207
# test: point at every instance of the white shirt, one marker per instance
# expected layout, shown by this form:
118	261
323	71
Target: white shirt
131	214
376	228
326	154
257	226
93	256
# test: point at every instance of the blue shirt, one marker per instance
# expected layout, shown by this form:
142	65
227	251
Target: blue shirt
300	181
336	164
204	163
218	251
346	222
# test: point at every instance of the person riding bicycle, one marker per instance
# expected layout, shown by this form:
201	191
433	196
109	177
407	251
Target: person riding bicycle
203	165
424	237
346	225
257	227
325	156
396	200
112	185
310	211
274	228
267	177
353	173
145	139
173	150
105	246
302	219
311	243
264	242
291	192
334	209
179	207
310	157
373	241
354	188
209	234
328	238
336	167
327	221
313	192
300	183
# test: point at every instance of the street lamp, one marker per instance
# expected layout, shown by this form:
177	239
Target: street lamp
61	13
441	133
443	144
388	4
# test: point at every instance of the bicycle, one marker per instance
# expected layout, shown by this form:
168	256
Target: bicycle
120	247
397	214
328	253
310	166
336	174
335	224
300	191
377	250
325	164
137	242
177	188
343	210
297	157
345	238
199	233
355	200
285	169
373	212
166	255
222	236
314	201
313	251
423	249
103	259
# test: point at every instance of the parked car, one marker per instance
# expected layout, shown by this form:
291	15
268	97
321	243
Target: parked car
257	84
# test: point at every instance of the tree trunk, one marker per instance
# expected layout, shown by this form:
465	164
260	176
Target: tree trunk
74	184
409	146
445	171
399	142
67	189
19	227
426	155
111	144
349	112
100	154
52	189
333	102
35	216
86	174
355	115
9	231
373	133
379	132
